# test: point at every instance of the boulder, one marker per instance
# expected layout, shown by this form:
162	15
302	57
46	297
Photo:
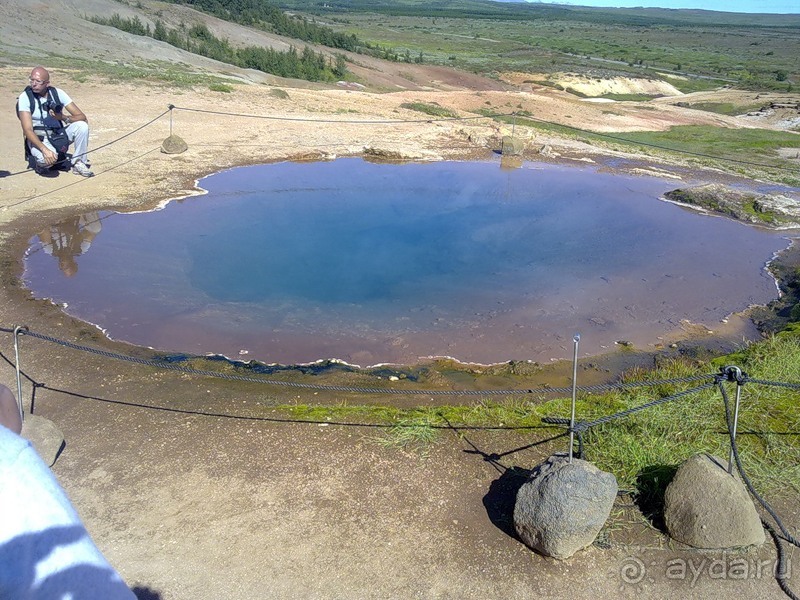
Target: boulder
512	146
174	145
563	506
706	507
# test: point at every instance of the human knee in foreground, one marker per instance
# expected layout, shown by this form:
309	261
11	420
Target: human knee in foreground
45	550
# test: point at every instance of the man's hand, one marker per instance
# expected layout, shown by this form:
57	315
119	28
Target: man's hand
49	156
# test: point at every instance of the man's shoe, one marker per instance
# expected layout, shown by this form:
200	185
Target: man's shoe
79	168
44	171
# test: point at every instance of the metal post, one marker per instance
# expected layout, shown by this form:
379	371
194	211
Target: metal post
171	108
735	423
575	339
17	331
514	124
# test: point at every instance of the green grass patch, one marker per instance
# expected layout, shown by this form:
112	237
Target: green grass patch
641	449
628	97
432	109
726	108
536	39
220	87
158	73
415	434
748	152
688	85
747	147
663	436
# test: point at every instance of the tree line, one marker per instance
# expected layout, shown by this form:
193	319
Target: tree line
266	16
198	39
269	17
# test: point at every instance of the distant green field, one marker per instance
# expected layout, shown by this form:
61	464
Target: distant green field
751	152
705	48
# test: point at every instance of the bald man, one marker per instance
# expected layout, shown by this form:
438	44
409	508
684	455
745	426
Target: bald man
32	111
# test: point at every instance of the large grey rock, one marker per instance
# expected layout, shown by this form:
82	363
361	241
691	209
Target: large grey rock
512	146
46	438
174	145
563	506
706	507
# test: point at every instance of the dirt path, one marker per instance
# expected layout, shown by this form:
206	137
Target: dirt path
194	489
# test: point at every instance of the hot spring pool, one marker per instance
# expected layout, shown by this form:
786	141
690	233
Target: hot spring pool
372	263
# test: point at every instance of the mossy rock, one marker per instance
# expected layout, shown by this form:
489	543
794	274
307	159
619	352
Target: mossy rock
174	145
512	146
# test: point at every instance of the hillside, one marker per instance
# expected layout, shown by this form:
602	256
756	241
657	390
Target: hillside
68	26
97	47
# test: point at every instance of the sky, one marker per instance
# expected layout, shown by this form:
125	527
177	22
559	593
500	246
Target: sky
745	6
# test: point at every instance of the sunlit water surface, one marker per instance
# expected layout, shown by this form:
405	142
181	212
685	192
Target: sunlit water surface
371	263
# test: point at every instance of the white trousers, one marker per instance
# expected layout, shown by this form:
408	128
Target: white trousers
78	133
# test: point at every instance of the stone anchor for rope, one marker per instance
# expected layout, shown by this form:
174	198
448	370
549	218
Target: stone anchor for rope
174	144
47	439
731	373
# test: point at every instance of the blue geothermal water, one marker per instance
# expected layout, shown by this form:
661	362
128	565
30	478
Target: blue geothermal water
371	263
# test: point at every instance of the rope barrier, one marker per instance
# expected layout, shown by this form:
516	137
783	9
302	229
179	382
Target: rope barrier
791	386
160	364
727	374
172	107
487	116
122	137
582	426
781	571
81	180
130	133
338	121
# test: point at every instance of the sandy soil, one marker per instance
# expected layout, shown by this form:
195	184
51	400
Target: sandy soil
190	485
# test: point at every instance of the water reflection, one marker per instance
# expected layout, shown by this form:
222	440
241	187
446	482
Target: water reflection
509	163
68	239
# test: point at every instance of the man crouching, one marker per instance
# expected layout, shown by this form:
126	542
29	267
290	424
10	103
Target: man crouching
48	130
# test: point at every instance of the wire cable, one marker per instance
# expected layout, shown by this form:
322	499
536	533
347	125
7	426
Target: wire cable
81	180
339	121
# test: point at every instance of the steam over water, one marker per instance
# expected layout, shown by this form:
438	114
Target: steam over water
376	263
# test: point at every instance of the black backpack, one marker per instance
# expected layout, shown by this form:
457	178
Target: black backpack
51	128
